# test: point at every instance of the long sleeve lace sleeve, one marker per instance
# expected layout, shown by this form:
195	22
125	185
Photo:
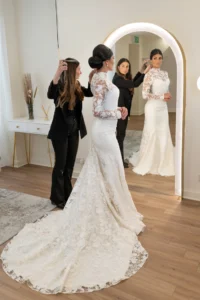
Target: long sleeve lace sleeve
146	90
99	93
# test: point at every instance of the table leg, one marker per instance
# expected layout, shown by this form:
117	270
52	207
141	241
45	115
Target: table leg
29	147
49	153
27	158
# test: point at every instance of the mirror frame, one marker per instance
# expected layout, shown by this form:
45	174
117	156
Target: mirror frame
180	89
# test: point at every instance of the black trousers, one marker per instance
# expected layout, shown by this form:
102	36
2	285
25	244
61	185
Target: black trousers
121	133
129	108
65	156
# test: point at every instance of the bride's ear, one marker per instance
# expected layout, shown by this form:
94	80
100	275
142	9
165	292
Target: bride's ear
106	63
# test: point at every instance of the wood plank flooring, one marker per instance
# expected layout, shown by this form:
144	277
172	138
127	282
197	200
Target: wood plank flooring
172	238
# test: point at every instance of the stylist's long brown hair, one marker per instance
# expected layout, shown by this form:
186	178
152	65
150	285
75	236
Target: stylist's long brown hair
70	86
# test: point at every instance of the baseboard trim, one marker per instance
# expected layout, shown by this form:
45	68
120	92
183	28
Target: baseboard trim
19	164
39	163
178	192
77	168
191	196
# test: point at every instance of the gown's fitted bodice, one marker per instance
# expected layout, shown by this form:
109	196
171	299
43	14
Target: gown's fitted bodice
156	84
105	102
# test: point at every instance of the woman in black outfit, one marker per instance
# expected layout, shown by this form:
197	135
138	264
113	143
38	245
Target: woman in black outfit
68	95
126	84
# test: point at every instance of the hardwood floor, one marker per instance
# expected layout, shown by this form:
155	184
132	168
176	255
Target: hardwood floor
172	238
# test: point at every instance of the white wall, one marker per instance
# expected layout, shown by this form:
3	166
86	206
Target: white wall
101	18
122	48
83	25
150	42
32	48
36	30
13	89
13	58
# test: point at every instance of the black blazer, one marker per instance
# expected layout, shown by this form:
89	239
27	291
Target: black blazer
59	126
124	86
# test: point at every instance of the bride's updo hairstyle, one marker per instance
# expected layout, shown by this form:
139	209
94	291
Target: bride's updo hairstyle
101	53
154	52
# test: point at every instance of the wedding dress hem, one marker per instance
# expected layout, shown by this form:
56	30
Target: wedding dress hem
151	173
138	259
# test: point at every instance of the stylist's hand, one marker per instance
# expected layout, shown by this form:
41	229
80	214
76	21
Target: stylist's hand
145	66
167	97
147	69
91	75
61	68
124	112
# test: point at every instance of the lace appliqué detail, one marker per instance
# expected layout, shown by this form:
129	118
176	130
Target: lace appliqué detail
148	81
100	86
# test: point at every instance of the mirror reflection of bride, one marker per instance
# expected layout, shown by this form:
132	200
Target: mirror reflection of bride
156	154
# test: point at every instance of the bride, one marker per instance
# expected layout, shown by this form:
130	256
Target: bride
156	155
91	244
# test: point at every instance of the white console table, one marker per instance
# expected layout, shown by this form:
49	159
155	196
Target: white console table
23	125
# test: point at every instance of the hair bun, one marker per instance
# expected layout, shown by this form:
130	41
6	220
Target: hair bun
100	53
95	62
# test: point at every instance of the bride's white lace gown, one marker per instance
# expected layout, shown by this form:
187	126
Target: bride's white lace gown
92	244
156	155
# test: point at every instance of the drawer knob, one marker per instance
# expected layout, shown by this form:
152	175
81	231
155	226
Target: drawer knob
38	128
17	126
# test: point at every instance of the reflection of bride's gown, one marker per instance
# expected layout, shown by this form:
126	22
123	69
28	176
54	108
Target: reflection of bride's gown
91	244
156	155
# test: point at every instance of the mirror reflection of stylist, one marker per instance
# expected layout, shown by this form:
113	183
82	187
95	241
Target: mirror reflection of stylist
68	96
126	84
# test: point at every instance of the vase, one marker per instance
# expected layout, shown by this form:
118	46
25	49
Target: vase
30	111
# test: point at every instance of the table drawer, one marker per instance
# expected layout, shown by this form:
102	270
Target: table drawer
42	129
17	126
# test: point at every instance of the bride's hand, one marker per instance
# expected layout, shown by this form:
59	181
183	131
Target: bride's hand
167	97
124	112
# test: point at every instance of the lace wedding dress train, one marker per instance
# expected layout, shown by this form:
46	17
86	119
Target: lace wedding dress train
156	154
92	244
